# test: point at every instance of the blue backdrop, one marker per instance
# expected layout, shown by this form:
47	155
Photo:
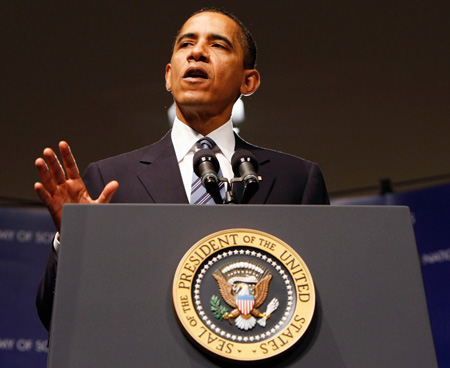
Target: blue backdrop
25	237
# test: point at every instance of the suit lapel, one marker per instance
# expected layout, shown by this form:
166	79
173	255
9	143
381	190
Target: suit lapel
265	170
160	174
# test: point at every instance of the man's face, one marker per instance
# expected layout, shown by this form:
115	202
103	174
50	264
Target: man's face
207	65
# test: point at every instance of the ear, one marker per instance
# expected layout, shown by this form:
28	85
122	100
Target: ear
168	75
250	83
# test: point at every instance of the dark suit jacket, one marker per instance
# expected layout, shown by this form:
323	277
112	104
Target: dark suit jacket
151	175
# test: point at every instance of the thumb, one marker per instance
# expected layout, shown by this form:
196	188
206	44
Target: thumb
108	192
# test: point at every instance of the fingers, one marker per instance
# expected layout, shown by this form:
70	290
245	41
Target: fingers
56	189
54	166
46	177
47	199
108	192
51	171
42	193
69	161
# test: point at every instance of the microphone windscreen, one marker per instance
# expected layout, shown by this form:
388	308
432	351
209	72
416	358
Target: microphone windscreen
240	157
205	155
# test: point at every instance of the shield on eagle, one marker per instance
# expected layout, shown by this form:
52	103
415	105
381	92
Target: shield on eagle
245	303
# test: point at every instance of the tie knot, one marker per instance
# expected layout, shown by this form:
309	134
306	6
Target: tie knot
206	143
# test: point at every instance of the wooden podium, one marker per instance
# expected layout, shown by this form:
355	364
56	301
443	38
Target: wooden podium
113	304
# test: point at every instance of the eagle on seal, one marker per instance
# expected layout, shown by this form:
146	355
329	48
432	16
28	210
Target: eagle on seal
245	294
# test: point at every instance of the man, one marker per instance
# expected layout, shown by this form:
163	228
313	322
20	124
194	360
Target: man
212	65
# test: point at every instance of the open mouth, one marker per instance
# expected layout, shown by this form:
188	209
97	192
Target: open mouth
195	73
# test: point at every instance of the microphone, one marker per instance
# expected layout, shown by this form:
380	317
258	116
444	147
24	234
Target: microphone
206	167
245	166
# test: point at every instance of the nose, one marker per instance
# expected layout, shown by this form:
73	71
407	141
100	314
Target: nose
199	52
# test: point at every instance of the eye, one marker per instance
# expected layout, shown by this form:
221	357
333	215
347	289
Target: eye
218	45
185	42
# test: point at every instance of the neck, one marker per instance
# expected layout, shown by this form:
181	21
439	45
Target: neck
203	122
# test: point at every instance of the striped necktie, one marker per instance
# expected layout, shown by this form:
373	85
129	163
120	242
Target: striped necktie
199	195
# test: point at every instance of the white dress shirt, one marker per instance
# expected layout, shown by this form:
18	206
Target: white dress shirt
184	140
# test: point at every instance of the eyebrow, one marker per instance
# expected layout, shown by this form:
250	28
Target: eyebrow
212	36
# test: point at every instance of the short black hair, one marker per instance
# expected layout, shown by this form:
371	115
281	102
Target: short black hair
246	39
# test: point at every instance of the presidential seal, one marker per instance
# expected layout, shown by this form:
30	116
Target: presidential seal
243	294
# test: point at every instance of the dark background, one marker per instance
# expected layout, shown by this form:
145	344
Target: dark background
361	87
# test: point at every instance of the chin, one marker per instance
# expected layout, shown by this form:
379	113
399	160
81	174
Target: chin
189	99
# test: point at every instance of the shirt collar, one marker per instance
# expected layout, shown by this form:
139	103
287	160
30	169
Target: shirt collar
184	138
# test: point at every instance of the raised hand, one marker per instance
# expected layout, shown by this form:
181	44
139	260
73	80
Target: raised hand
64	185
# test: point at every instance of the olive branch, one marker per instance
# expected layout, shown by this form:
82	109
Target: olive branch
217	308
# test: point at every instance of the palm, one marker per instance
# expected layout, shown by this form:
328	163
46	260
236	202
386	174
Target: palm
60	187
